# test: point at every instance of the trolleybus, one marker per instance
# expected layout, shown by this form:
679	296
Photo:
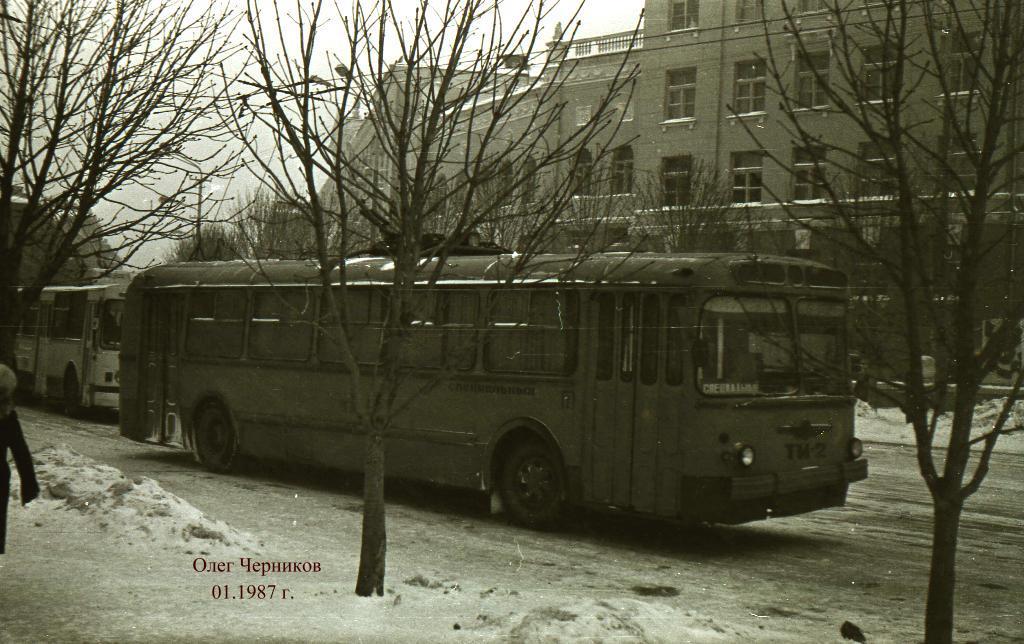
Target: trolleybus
695	387
67	345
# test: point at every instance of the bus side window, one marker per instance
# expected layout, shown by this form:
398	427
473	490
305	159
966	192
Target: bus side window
460	312
29	321
76	316
531	331
423	342
59	319
280	327
650	339
216	323
627	349
676	342
605	335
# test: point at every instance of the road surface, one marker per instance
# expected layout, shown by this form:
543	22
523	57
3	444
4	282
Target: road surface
793	579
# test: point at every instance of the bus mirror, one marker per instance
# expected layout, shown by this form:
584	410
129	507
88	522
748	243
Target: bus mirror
699	352
95	324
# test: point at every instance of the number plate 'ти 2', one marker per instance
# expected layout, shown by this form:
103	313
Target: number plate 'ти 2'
804	451
804	431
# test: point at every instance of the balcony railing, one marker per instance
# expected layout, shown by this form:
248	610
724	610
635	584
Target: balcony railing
607	44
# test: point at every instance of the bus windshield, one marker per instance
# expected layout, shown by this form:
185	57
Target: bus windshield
823	346
110	324
750	347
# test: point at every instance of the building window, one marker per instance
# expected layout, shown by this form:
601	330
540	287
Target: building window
626	110
622	170
685	15
808	173
749	90
675	180
680	93
812	79
582	114
812	6
530	180
962	69
878	73
960	160
877	176
583	173
746	177
747	10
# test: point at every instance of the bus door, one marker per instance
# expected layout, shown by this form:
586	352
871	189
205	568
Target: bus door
160	382
634	445
88	346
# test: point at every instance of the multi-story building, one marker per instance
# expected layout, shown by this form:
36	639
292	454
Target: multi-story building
707	93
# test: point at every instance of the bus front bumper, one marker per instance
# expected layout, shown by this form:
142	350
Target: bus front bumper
749	498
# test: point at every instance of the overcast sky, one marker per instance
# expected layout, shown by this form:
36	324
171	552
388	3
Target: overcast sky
598	17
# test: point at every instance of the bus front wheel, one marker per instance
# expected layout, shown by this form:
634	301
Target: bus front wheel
531	485
215	438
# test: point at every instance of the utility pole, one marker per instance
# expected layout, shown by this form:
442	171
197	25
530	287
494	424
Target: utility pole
199	222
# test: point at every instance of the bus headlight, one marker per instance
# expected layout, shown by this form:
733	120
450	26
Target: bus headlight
856	448
746	455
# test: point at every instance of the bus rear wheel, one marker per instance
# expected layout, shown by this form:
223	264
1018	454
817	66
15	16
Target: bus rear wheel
531	485
215	440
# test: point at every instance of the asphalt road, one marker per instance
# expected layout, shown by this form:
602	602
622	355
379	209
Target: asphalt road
867	562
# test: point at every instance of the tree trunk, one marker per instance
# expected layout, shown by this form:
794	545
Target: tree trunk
938	620
9	320
375	542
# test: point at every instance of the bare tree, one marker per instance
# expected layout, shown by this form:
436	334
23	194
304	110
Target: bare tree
431	128
687	208
96	97
917	169
272	228
219	242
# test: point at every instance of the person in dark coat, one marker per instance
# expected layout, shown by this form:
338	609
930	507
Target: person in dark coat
11	437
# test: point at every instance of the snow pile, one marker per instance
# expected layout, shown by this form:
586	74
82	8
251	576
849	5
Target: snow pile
132	510
888	425
608	620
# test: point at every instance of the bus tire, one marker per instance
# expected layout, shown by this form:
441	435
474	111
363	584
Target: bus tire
215	438
71	394
531	485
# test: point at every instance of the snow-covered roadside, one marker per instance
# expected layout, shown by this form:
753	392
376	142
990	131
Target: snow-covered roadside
81	494
124	549
888	425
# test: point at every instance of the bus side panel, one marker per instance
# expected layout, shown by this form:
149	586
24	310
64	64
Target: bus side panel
672	417
457	419
294	412
26	347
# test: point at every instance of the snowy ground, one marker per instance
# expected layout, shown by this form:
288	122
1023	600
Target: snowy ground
106	555
889	426
134	528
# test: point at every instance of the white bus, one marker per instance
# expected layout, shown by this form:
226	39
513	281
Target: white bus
68	345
